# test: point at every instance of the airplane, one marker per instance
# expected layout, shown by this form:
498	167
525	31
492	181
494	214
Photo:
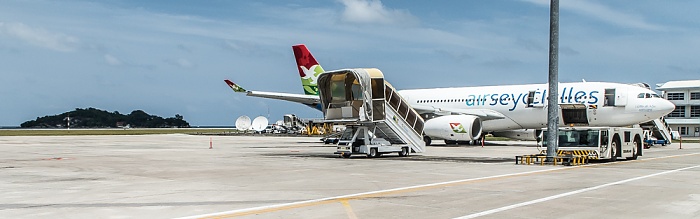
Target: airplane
504	108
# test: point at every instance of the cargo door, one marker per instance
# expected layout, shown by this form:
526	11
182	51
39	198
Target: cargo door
574	114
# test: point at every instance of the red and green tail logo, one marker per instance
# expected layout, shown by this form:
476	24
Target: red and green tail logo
309	69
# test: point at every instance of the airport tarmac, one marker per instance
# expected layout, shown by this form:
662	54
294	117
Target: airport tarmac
170	176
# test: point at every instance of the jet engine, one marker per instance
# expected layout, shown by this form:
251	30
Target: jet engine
454	127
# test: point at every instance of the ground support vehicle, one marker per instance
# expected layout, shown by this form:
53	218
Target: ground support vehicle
360	140
599	143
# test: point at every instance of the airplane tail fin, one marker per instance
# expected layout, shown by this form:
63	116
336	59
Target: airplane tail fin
234	86
308	67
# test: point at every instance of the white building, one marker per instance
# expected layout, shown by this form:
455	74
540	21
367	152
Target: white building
686	95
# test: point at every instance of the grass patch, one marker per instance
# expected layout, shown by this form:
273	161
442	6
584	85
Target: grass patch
60	132
687	141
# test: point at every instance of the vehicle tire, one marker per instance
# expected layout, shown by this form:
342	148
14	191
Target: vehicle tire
614	146
403	152
372	152
346	155
427	140
637	149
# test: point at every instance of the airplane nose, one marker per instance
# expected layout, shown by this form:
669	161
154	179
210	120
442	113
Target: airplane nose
666	106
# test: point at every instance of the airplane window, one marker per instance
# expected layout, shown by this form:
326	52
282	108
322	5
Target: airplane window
640	95
655	96
648	95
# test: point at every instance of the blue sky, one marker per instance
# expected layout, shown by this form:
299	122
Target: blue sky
170	57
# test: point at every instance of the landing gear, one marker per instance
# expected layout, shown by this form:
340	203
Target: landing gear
427	140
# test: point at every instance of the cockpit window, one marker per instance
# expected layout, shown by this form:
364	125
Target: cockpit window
648	95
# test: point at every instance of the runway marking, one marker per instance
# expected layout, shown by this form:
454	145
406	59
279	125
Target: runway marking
509	207
314	202
379	193
348	209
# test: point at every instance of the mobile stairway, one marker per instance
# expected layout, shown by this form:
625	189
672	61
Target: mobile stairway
378	119
659	129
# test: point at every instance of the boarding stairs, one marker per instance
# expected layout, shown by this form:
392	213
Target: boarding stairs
363	98
659	129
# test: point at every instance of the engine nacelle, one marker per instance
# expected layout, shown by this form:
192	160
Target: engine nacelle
454	127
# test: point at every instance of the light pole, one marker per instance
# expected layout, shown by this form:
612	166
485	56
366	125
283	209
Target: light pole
553	102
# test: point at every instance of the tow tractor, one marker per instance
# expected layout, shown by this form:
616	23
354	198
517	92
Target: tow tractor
604	143
359	140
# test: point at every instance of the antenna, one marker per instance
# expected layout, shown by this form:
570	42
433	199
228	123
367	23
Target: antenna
243	123
259	123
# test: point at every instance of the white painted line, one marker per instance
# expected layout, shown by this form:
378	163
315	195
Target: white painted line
505	208
262	208
357	195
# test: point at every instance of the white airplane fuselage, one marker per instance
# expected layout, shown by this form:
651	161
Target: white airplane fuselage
624	106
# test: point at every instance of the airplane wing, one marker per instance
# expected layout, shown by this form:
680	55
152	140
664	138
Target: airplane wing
297	98
484	114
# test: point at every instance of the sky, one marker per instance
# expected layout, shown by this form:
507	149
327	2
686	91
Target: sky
171	57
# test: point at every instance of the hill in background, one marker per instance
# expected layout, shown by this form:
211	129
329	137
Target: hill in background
96	118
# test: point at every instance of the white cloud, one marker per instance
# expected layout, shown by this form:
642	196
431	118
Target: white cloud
40	37
373	11
184	63
603	13
181	62
111	60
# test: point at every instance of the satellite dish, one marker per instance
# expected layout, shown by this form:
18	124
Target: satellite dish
243	123
259	123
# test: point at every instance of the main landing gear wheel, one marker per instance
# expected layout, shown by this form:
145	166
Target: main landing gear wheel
427	140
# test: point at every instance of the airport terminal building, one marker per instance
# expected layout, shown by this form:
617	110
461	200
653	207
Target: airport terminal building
686	96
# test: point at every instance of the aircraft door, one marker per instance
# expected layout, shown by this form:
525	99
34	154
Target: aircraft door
534	99
620	97
609	97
